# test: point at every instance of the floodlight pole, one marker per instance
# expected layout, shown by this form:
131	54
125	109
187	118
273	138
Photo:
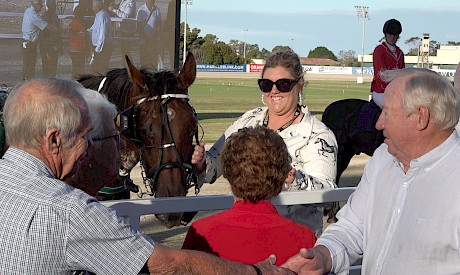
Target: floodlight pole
363	13
244	45
185	2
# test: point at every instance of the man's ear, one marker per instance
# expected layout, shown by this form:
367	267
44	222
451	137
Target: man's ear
53	141
423	117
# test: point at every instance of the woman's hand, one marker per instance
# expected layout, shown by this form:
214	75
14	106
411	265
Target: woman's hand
199	158
291	177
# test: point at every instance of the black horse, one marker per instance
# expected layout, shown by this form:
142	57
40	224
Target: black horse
353	123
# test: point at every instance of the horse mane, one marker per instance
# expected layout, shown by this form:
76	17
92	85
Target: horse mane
118	84
161	82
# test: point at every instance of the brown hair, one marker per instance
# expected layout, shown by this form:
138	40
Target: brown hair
256	162
287	59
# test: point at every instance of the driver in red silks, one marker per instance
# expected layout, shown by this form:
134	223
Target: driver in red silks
386	56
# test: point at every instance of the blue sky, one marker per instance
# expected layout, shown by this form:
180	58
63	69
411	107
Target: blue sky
305	25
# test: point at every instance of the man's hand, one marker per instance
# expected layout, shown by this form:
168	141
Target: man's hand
312	261
268	267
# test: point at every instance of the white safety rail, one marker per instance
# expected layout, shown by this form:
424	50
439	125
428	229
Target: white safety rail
132	210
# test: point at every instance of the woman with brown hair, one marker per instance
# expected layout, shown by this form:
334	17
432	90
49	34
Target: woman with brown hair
256	163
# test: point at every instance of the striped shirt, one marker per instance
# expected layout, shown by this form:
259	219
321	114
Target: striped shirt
49	227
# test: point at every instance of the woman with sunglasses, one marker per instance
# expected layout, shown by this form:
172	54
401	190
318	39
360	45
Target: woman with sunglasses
312	145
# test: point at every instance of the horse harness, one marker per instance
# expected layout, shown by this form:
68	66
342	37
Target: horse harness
128	127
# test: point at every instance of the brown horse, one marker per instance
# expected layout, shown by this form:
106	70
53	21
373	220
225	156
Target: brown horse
158	125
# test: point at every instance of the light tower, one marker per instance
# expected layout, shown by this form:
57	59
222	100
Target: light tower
244	45
363	13
185	2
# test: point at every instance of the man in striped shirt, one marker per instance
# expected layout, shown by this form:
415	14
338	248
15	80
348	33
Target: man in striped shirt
49	227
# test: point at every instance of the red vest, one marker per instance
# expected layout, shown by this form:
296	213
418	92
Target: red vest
249	233
383	59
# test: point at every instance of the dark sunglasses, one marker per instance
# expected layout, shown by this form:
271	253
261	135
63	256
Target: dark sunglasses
283	85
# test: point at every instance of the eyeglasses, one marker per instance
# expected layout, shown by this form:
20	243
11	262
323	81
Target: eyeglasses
283	85
116	136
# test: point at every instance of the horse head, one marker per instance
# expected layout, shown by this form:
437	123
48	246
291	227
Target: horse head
163	126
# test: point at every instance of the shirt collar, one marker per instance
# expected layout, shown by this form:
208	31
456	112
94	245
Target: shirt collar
26	161
260	207
433	157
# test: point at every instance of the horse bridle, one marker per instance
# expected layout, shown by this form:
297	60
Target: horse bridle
128	127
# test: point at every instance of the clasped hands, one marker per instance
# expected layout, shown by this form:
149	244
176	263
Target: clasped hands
306	262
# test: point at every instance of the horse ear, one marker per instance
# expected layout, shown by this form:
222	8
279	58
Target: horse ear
134	74
188	73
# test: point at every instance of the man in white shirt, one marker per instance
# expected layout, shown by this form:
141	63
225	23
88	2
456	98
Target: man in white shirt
149	26
101	38
127	28
32	24
404	217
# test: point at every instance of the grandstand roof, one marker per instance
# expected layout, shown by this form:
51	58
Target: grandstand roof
318	61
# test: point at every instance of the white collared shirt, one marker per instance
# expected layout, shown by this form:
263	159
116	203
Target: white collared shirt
101	31
153	23
402	223
32	23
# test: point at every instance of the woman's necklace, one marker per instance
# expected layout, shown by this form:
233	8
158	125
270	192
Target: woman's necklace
287	124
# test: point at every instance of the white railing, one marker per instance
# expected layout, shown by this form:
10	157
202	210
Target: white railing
132	210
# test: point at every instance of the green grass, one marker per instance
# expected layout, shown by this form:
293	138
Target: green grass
219	102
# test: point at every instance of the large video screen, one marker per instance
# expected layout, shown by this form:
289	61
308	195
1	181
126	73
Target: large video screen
149	36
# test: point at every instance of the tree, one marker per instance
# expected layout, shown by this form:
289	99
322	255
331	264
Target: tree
236	45
193	39
281	48
198	53
348	58
322	52
264	53
452	43
413	43
228	55
252	51
210	38
434	46
218	53
209	49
